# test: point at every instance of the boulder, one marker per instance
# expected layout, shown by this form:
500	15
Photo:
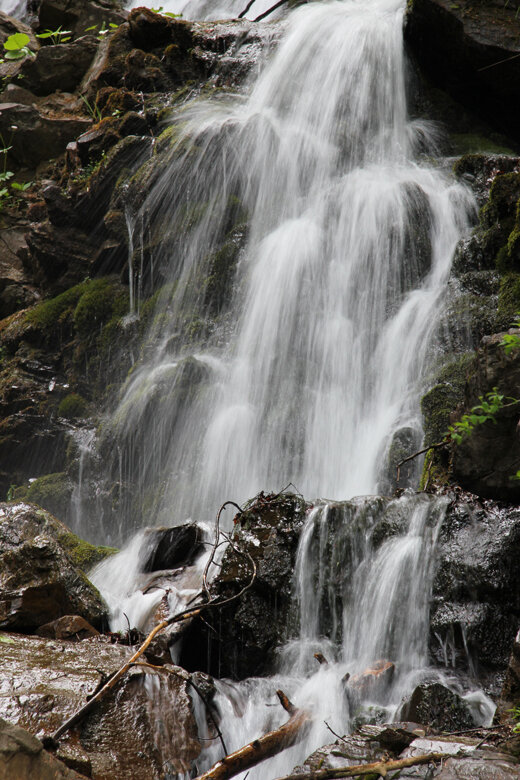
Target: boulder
37	137
470	50
39	580
22	757
59	67
78	15
436	706
72	627
145	728
511	688
475	604
240	639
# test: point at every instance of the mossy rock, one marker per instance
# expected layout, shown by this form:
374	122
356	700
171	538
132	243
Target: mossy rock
508	300
438	404
472	143
501	205
73	406
101	300
83	554
52	492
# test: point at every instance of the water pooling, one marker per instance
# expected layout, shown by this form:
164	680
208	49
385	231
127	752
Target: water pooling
345	233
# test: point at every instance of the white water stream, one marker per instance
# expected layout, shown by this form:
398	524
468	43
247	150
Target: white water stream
338	291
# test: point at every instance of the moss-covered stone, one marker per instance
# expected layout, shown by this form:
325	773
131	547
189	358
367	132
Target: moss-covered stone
438	404
473	143
101	300
73	406
52	492
83	554
508	300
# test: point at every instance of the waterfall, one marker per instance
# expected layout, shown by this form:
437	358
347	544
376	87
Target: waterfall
306	237
311	205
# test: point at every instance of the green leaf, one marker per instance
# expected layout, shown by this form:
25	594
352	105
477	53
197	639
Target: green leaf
6	640
15	55
16	42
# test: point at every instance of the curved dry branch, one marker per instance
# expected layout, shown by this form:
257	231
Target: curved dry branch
381	768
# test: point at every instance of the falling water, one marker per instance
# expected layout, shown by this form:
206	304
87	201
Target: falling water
342	234
309	363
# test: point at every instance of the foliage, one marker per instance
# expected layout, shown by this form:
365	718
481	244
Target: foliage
103	30
479	414
16	47
56	36
511	341
166	13
515	714
92	109
72	407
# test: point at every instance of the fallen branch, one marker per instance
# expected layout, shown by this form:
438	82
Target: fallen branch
270	10
246	9
262	748
380	768
436	446
184	615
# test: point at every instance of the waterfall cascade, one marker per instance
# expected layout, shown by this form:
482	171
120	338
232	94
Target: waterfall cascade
342	228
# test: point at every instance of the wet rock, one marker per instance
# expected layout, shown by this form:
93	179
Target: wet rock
438	707
44	682
465	760
39	581
352	749
455	45
475	604
245	634
58	67
173	547
22	756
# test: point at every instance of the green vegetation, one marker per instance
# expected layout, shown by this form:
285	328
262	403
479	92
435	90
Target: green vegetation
16	47
56	36
72	407
52	492
479	414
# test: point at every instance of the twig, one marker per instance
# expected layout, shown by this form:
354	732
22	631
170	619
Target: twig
246	9
416	455
500	62
215	545
270	10
378	768
333	732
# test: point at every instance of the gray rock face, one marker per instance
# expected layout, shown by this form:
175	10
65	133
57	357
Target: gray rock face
38	580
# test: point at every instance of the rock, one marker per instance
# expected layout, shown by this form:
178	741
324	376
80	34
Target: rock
22	757
436	706
485	461
247	632
59	67
468	49
465	760
78	15
475	595
511	688
44	682
173	547
37	137
39	581
72	627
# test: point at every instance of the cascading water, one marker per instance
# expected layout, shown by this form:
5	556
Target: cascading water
321	189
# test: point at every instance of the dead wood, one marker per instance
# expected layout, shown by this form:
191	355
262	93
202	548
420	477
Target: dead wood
321	659
380	768
270	10
184	615
246	9
264	747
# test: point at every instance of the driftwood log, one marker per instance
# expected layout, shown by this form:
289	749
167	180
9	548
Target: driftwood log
380	768
264	747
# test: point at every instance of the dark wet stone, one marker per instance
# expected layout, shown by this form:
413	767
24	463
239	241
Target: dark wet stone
436	706
22	757
173	547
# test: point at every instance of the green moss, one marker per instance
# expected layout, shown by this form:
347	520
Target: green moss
83	554
472	143
443	398
101	300
52	492
49	315
508	300
73	406
502	201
